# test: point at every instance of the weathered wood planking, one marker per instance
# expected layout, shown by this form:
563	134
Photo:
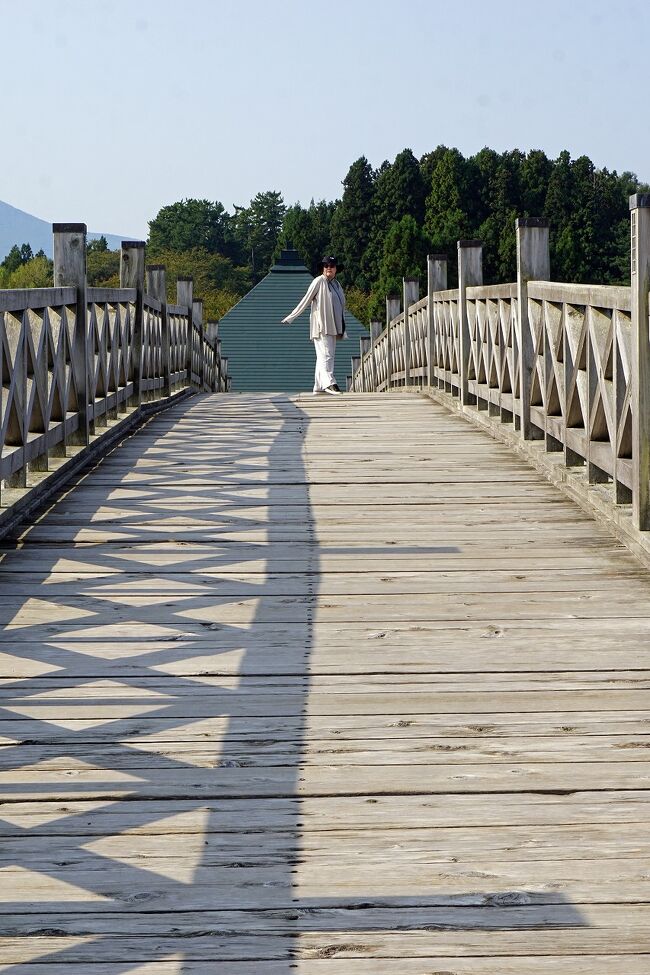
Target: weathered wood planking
326	686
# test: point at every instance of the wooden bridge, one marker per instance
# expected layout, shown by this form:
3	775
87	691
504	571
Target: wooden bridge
335	686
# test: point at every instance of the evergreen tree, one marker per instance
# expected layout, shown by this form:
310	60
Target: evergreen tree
616	237
404	256
428	165
97	246
558	208
501	199
535	173
257	228
351	222
447	217
308	230
13	259
194	223
399	192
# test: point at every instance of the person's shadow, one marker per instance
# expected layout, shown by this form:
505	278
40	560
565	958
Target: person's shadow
152	809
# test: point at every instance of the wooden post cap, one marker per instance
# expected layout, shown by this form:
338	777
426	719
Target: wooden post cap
531	222
639	201
69	228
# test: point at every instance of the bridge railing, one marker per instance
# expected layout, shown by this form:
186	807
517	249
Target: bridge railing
565	364
80	365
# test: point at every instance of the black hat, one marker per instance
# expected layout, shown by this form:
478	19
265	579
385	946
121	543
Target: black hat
330	259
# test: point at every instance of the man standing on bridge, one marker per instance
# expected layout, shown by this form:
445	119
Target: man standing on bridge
326	323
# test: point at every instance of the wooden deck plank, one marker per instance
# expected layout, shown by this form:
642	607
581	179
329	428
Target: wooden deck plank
334	688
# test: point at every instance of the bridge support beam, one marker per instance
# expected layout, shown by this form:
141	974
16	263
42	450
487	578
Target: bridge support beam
640	366
436	281
470	274
533	264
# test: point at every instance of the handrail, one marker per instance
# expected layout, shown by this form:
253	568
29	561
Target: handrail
565	364
79	364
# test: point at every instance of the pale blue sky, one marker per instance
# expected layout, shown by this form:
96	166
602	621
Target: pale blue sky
114	108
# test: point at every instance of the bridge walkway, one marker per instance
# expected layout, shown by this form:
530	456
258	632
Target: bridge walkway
335	686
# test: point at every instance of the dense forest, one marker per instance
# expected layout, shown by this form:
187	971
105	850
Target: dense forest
383	226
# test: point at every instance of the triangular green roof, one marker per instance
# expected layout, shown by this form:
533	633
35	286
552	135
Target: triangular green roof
265	356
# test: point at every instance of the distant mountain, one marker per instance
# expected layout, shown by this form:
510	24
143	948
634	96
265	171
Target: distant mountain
18	227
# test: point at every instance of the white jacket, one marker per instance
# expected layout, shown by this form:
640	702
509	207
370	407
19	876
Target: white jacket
321	320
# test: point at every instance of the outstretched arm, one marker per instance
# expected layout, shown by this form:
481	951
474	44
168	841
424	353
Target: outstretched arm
303	303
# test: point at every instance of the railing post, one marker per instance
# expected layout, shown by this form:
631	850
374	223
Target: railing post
197	319
224	373
411	294
640	366
355	363
70	272
436	281
392	311
132	258
211	334
470	274
375	332
220	388
364	348
156	281
184	296
533	264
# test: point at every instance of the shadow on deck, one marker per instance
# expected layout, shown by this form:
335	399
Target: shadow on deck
154	719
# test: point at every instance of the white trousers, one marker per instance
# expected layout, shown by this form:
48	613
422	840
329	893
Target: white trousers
325	348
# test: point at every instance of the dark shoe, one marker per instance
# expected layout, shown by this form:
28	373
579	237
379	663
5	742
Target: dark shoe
333	390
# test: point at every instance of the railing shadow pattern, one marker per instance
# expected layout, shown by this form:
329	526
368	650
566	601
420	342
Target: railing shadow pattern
80	363
566	364
155	738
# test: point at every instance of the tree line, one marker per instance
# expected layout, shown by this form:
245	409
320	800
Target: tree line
383	226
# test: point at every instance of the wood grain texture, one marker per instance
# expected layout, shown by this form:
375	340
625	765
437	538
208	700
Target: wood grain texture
321	687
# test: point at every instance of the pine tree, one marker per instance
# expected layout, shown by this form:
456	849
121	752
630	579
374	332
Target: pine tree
13	259
447	218
257	227
558	209
502	200
351	222
308	231
399	192
404	256
535	173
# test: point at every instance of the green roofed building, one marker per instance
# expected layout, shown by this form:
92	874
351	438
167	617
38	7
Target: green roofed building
264	355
